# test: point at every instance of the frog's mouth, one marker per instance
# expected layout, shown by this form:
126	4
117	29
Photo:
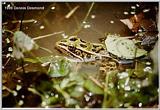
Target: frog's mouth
65	50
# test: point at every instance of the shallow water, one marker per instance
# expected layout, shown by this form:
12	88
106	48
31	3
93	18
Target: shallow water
104	18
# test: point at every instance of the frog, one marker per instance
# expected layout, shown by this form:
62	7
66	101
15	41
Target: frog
79	50
82	50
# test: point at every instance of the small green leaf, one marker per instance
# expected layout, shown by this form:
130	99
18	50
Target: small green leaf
92	87
52	100
59	67
77	91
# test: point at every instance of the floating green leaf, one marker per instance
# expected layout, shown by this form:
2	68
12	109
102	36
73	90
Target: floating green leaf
123	47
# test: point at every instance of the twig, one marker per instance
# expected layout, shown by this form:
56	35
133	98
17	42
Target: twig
85	19
44	36
7	62
75	18
21	67
8	31
89	11
71	12
19	21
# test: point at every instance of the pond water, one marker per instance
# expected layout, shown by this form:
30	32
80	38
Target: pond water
103	18
90	22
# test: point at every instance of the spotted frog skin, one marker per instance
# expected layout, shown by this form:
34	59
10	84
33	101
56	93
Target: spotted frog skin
82	50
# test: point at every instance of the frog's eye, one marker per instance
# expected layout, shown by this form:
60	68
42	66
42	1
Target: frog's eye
95	46
73	39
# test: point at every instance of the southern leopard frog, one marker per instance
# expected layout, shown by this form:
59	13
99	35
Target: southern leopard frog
82	50
89	52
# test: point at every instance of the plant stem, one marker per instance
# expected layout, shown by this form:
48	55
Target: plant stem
105	91
96	82
85	19
22	62
33	90
65	94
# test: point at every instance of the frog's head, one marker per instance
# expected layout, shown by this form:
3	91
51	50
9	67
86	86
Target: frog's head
69	46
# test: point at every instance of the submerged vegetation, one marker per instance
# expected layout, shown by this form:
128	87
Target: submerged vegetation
120	73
